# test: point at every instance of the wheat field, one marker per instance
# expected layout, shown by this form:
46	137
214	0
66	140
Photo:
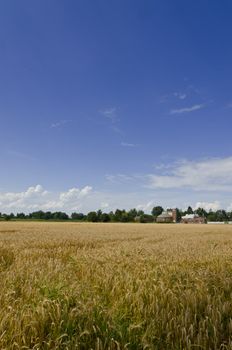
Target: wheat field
115	286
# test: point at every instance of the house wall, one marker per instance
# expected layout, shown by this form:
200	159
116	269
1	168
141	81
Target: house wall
163	220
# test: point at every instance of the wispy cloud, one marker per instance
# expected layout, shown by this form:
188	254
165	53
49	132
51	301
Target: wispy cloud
117	130
187	109
60	123
180	95
209	175
119	178
110	113
189	92
173	96
125	144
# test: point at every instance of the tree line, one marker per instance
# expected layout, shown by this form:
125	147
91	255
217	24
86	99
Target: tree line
132	215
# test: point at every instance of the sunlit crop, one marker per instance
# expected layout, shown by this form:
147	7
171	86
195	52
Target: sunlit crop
115	286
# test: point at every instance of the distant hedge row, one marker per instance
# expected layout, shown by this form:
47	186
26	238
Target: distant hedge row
132	215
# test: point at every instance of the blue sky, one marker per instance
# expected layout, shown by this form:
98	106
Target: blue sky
115	103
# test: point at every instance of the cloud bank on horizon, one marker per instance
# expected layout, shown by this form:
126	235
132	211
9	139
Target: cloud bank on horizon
36	198
205	176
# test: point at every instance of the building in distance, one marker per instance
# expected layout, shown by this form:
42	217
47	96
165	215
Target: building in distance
167	216
193	219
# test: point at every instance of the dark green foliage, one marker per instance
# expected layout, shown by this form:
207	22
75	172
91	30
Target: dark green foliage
201	212
156	211
178	215
78	216
105	217
189	210
92	216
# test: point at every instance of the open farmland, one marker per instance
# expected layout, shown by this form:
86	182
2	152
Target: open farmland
115	286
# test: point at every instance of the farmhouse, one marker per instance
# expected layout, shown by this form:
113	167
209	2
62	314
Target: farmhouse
193	219
167	216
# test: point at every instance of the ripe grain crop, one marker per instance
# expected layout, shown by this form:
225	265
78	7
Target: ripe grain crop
115	286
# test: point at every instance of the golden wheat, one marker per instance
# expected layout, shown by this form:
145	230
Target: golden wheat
115	286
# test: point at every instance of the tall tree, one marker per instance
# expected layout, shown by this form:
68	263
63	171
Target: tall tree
201	212
92	216
156	211
189	210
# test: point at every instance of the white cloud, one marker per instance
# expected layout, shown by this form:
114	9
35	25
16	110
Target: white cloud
85	191
35	198
71	194
75	193
187	109
71	198
208	206
86	199
30	192
208	175
75	199
147	207
208	183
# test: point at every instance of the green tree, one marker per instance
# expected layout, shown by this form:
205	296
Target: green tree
6	217
189	210
201	212
111	215
105	217
178	215
20	216
221	215
92	216
145	218
211	216
156	211
132	214
59	215
99	215
77	216
118	215
124	216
